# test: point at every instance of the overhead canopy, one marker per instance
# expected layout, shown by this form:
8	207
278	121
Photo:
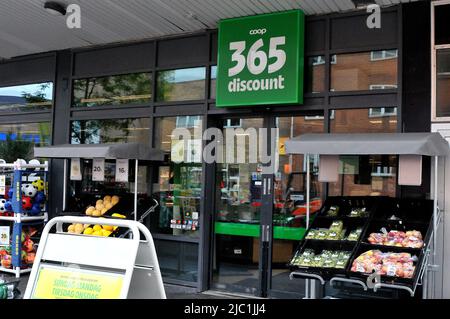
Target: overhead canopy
430	144
107	151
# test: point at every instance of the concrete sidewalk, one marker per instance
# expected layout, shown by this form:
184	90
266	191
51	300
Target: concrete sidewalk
172	291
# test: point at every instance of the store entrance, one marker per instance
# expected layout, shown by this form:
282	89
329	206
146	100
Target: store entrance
259	218
237	222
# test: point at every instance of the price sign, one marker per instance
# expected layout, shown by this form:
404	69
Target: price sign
2	184
75	169
98	170
261	59
121	170
4	235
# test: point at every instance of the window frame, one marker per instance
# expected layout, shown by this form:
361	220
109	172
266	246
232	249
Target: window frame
434	50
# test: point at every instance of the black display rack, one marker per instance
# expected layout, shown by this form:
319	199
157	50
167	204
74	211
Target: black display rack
382	212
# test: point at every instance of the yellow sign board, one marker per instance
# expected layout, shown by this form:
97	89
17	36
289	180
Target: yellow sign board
72	283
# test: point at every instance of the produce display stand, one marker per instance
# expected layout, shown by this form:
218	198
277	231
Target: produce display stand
130	151
22	172
418	144
122	265
88	267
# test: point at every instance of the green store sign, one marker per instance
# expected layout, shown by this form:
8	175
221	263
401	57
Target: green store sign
261	60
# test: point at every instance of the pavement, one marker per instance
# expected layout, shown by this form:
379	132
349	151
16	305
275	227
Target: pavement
172	291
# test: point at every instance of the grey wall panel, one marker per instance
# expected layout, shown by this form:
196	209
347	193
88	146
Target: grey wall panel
352	31
315	35
120	59
214	43
356	101
28	70
189	50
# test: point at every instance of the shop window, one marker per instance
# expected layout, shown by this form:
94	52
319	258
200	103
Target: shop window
26	98
181	85
382	111
212	85
86	192
443	83
383	55
315	81
18	140
177	183
365	175
124	89
111	131
376	70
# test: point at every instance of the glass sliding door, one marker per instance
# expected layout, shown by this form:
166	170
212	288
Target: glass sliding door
289	207
237	221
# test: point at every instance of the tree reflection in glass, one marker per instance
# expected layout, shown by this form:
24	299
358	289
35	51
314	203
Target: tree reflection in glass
113	90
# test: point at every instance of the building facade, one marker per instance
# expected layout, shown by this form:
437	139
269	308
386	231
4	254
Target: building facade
357	80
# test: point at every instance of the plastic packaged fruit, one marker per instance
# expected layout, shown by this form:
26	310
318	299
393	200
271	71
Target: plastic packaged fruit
71	229
79	228
114	199
88	231
97	228
106	233
96	213
99	207
97	233
107	198
100	201
103	211
108	227
108	205
89	210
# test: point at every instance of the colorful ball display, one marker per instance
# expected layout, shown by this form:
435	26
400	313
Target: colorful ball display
2	205
35	209
27	203
39	184
29	190
39	198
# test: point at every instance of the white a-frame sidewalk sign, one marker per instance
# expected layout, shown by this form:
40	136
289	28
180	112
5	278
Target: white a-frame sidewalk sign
77	266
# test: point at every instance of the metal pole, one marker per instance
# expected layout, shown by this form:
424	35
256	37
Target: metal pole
435	206
136	188
310	290
308	178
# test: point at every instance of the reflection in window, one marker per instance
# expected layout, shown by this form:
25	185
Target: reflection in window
18	140
373	120
212	85
113	90
111	131
181	85
177	183
383	55
315	82
365	175
376	70
443	83
26	98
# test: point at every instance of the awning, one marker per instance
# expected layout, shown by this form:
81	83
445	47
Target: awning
107	151
430	144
